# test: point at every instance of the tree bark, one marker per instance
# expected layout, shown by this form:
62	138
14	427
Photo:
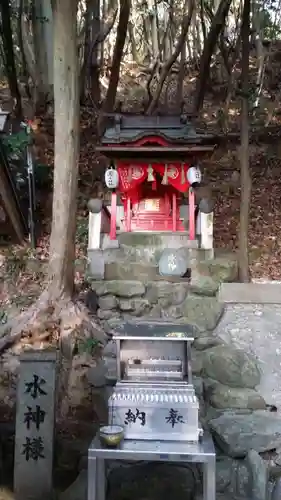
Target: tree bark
218	22
244	273
42	27
7	38
95	69
189	6
66	93
109	101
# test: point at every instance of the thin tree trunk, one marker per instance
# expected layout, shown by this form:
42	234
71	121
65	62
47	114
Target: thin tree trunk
180	81
87	46
109	101
95	70
7	38
66	91
21	47
217	25
188	10
244	273
134	49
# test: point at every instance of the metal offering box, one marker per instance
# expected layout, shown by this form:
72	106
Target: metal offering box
154	398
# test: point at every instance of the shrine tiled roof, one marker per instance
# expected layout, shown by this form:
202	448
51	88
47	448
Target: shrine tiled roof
123	129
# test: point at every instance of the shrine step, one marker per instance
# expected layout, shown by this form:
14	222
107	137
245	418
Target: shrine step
131	264
130	271
146	247
164	239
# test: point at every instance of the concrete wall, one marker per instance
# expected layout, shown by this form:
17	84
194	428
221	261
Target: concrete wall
252	321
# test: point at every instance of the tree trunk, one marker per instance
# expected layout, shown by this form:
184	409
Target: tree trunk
7	38
109	101
95	69
87	46
188	10
152	13
218	22
66	92
244	273
25	74
42	26
180	80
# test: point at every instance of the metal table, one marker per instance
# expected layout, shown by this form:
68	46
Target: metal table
153	451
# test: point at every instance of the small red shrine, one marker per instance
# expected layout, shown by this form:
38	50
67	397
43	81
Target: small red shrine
154	165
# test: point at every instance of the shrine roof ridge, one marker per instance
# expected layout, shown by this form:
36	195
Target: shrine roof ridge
130	128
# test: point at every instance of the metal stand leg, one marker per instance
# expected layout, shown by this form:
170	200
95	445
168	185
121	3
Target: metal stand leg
92	478
100	480
209	479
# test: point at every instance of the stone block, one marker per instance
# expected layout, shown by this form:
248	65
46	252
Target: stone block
130	271
126	289
137	306
232	478
175	293
205	312
203	285
231	366
105	314
110	349
107	302
222	396
250	293
222	268
96	264
33	468
237	433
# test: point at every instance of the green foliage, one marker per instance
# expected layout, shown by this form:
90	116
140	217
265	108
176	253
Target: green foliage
88	346
16	144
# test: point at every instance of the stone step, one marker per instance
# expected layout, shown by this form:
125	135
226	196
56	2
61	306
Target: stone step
130	270
161	239
127	256
117	265
145	246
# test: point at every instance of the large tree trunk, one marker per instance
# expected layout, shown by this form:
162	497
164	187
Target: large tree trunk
7	38
66	91
109	101
244	273
217	25
54	308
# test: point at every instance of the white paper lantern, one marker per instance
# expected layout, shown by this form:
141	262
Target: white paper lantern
194	175
111	178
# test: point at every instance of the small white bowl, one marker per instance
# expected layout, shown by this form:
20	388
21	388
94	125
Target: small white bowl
111	435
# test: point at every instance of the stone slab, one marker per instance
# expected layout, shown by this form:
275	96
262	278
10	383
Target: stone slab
237	433
35	417
250	293
256	328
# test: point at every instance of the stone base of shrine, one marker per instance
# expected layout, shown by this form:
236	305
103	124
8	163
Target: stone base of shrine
140	251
